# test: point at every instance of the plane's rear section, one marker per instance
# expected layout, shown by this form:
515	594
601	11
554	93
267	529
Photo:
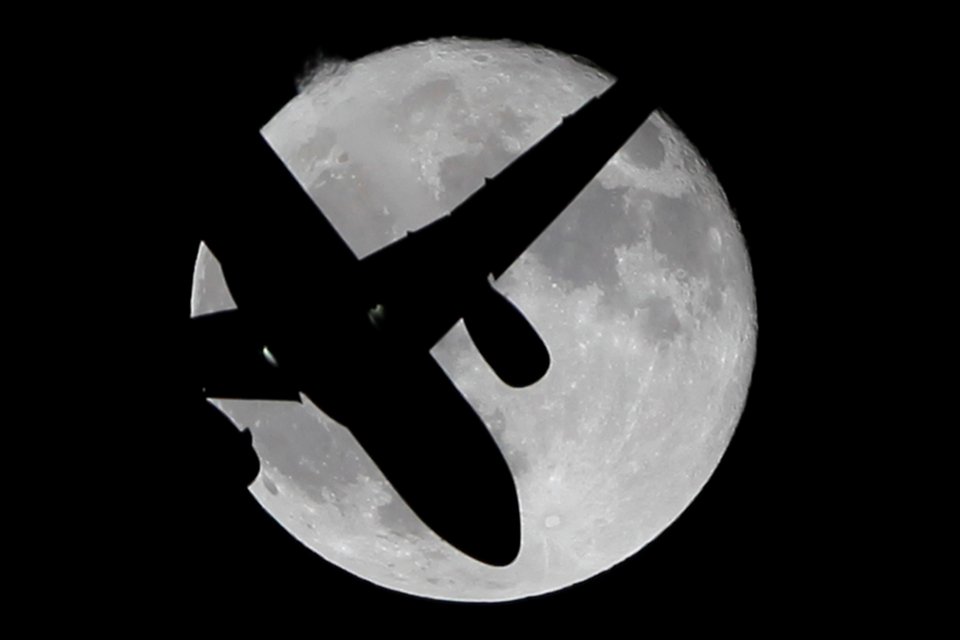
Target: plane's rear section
401	407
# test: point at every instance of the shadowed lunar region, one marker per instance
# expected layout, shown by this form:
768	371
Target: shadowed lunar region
641	290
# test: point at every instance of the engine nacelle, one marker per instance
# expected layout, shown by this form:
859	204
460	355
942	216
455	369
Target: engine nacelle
506	339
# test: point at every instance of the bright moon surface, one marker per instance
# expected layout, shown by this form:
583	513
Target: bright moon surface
641	290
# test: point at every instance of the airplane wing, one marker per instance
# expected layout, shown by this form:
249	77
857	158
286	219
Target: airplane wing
354	336
437	275
417	288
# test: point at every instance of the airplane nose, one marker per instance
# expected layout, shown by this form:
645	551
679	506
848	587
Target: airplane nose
441	459
454	477
481	512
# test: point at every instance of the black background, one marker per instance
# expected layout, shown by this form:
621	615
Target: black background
762	538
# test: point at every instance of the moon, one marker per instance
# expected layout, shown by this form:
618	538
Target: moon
641	289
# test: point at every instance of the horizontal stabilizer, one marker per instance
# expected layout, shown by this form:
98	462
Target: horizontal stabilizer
228	361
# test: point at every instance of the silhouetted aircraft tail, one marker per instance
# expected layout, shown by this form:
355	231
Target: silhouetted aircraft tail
229	360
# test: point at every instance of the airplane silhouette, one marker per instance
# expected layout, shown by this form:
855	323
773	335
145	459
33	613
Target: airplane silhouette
354	336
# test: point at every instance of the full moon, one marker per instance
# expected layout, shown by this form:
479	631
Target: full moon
641	290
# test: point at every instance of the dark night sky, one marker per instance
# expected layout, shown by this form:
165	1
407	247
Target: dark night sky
752	541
